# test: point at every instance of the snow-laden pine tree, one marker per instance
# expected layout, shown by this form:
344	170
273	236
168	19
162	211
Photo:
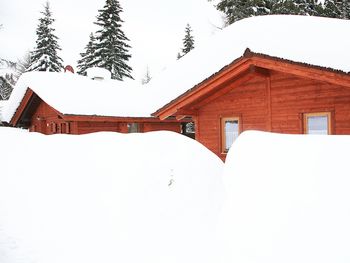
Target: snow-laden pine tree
6	86
187	41
22	65
337	9
238	9
88	57
287	7
45	57
112	50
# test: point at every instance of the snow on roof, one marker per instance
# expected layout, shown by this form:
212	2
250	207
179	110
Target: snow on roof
312	40
112	200
78	95
287	199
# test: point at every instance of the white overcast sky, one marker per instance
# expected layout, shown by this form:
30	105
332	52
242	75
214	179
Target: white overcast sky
155	28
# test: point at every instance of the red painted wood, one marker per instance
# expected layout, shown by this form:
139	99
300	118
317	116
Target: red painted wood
47	120
290	97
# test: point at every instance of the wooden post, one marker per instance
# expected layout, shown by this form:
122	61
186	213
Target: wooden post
268	99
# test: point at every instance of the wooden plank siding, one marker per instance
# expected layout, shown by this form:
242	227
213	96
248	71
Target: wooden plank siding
47	120
273	103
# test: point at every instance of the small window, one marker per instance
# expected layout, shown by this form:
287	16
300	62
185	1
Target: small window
133	127
229	131
317	123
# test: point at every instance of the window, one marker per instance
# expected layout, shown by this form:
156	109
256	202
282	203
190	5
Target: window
317	123
229	132
133	127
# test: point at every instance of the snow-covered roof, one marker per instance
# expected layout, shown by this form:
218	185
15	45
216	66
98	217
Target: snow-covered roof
78	95
317	41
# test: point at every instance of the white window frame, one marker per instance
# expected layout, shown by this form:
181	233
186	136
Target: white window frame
318	114
224	150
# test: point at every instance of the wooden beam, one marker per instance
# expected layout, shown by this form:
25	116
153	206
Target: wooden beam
268	99
297	69
180	117
96	118
259	71
187	112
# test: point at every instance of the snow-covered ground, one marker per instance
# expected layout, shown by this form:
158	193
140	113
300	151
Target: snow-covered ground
107	197
161	197
288	199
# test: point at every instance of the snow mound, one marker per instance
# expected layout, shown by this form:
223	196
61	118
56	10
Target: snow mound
288	199
107	197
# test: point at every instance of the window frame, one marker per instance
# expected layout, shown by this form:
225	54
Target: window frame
132	125
327	114
223	120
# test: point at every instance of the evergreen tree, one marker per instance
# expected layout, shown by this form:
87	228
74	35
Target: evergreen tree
111	48
44	57
88	57
22	65
288	7
331	9
6	86
238	9
337	9
147	77
188	42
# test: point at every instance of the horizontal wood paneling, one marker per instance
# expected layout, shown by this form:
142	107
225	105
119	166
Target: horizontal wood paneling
45	116
248	102
290	98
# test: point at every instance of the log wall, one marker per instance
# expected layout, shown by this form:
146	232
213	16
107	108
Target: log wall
273	103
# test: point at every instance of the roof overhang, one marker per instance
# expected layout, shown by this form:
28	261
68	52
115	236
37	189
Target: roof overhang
239	72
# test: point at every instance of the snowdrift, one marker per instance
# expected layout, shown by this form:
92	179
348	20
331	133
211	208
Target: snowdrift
107	197
288	199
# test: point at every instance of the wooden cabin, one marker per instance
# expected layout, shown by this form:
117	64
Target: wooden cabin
43	106
283	74
260	92
36	115
250	76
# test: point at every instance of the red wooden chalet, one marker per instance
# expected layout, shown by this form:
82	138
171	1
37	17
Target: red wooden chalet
259	92
37	114
293	81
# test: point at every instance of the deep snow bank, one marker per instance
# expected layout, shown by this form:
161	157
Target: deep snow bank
288	199
107	197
